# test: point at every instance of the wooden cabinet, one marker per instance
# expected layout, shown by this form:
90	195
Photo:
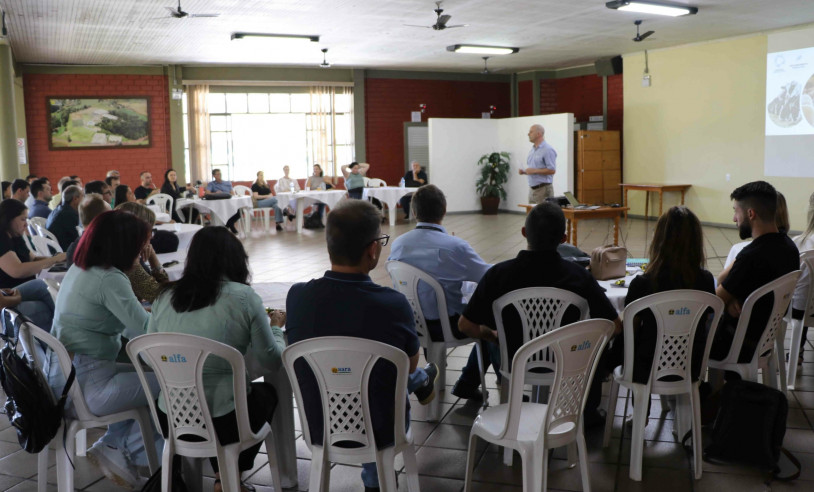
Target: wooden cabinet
598	167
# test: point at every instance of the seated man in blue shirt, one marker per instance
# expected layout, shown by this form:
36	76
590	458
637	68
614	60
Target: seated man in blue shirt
63	220
346	302
217	185
41	192
449	260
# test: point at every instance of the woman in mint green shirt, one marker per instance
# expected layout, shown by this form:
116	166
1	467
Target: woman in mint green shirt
213	299
95	308
355	178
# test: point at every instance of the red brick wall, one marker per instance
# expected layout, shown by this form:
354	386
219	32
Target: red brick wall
388	103
94	163
616	107
525	98
579	95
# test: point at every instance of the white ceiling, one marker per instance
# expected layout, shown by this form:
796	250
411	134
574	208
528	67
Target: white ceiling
369	33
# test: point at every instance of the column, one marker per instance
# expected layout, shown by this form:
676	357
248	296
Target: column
9	168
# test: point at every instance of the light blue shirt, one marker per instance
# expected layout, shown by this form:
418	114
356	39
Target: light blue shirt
541	157
448	259
224	186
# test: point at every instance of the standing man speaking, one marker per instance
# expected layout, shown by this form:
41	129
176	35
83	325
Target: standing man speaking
541	165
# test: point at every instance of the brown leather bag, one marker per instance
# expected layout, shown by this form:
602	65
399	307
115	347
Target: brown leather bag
608	262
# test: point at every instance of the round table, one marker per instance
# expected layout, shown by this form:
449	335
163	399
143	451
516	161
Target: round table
221	210
389	195
183	231
303	198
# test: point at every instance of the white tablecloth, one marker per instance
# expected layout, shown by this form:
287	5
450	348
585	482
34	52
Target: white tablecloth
303	198
616	295
174	272
183	231
222	210
389	195
159	215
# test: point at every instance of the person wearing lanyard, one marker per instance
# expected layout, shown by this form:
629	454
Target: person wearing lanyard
541	164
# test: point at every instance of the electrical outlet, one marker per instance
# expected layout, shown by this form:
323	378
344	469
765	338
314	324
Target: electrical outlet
646	80
728	176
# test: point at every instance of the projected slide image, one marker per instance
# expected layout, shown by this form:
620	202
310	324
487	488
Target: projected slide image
784	110
807	101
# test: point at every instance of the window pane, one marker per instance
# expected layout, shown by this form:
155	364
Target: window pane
280	103
300	103
344	154
343	130
236	103
258	103
216	103
186	164
217	123
285	133
186	133
184	103
342	103
220	152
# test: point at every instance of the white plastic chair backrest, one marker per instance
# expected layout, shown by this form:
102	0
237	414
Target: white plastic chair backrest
541	310
677	314
576	348
375	183
807	262
782	288
366	181
241	190
33	222
178	361
162	200
44	239
27	335
342	367
405	280
28	239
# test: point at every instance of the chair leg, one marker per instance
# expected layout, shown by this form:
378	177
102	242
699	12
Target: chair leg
42	470
320	470
166	466
778	358
148	438
480	350
229	472
385	466
65	472
637	441
535	469
695	408
571	450
794	351
410	468
504	397
613	397
470	462
266	213
582	450
437	355
273	466
82	443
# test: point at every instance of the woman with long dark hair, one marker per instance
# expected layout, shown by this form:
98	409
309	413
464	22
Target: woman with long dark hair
95	309
123	194
171	187
676	262
213	299
19	267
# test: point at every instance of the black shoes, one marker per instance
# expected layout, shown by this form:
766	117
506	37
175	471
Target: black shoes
279	227
426	393
593	418
467	391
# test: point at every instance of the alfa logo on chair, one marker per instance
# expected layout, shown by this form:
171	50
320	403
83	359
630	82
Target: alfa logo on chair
174	358
582	346
684	311
341	370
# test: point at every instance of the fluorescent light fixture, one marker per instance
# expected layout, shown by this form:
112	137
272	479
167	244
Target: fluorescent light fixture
280	37
671	10
481	50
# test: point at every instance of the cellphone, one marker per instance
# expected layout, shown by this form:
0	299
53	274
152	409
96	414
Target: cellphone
169	263
4	293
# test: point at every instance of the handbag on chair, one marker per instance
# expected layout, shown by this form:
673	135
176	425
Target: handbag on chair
608	262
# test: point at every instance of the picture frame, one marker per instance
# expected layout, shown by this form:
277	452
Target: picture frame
93	122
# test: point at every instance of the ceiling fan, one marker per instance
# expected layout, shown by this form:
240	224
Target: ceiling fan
180	13
486	70
324	63
441	21
643	36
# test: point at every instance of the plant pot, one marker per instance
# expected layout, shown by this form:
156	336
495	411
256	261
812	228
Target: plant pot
489	204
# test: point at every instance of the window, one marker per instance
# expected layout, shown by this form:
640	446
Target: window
253	132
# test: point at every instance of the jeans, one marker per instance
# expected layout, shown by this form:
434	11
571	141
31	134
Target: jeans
470	374
108	388
271	202
416	379
37	303
405	204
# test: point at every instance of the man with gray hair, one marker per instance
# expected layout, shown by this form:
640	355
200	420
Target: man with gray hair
541	164
414	178
63	220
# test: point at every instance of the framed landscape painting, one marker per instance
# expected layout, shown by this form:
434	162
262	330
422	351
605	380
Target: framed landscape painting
98	123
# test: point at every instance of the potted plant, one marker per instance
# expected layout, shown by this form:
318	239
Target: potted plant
494	173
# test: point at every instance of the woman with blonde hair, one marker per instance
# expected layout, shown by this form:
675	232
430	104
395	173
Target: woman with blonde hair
147	277
262	194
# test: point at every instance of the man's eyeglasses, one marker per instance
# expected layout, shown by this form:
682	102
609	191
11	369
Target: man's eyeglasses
384	239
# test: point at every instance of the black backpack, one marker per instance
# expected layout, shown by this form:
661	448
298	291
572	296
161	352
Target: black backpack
750	427
164	241
30	404
313	220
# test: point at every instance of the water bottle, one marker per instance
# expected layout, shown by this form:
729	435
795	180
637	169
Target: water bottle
291	186
401	183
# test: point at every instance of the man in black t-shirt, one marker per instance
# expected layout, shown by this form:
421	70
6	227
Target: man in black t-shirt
415	178
146	189
769	256
538	266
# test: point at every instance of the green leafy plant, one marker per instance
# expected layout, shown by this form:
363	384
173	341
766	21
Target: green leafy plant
494	173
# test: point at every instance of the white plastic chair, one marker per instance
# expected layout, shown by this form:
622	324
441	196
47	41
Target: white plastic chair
541	310
342	367
375	183
187	411
806	262
265	212
162	200
84	419
43	240
366	181
769	346
405	280
33	222
678	314
533	428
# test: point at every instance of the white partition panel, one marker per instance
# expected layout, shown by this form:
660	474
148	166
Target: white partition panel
457	144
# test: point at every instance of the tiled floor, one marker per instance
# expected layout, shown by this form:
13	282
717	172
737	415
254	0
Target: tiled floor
441	446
